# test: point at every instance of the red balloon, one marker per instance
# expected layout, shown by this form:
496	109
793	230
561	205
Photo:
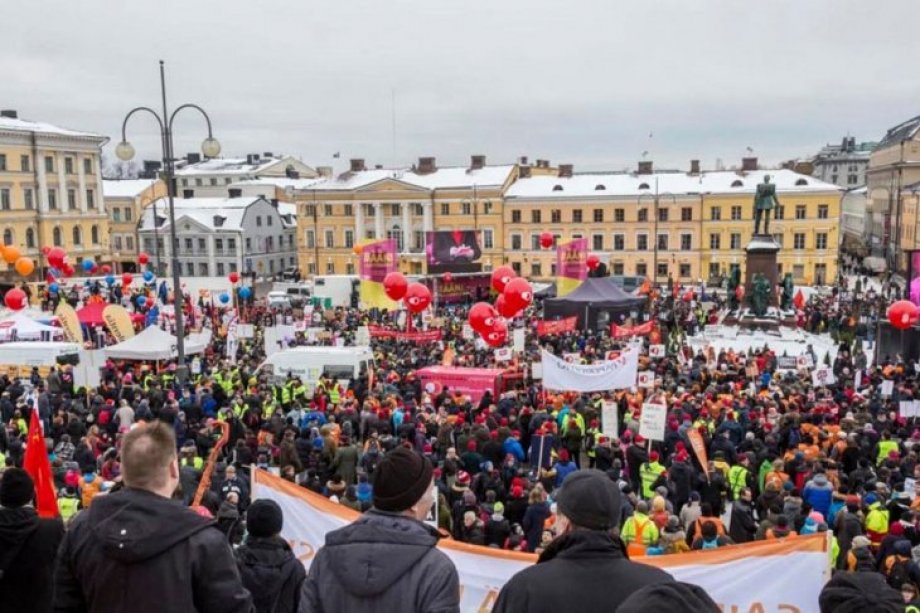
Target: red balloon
902	314
45	250
518	294
689	296
547	239
16	299
498	335
592	261
395	286
504	307
447	277
739	292
500	278
106	269
143	258
482	317
417	298
68	270
126	279
234	277
56	257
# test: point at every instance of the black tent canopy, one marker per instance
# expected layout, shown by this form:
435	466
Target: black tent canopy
597	303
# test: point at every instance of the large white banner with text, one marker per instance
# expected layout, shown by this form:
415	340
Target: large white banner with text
615	374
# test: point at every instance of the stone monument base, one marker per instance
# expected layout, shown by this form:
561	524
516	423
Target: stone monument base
761	259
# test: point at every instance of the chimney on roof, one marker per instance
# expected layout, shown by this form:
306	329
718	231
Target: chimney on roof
565	170
9	114
694	167
524	172
324	171
748	164
235	192
378	166
477	162
192	158
274	202
645	167
268	154
426	165
357	165
523	161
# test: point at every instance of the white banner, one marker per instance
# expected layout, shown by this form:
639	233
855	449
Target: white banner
602	376
887	388
609	418
503	354
656	351
823	376
790	572
519	339
646	378
652	420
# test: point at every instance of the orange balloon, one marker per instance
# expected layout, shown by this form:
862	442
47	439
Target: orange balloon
25	266
357	249
11	254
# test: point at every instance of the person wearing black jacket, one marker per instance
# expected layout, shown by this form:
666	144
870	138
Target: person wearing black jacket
742	526
28	545
268	567
141	541
585	559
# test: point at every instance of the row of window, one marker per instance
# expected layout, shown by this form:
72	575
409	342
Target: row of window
28	197
395	209
222	246
117	214
25	164
57	237
686	241
118	241
203	269
418	238
683	270
642	215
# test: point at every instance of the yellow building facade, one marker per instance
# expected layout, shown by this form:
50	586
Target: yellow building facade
125	201
51	191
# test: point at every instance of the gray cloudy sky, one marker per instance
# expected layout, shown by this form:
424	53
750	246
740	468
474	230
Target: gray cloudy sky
584	81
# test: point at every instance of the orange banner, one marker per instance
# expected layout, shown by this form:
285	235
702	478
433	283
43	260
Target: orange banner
699	448
625	332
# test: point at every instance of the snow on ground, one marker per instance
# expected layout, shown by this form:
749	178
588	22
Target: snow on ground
783	341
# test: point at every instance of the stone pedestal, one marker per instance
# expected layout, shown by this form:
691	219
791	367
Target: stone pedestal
761	259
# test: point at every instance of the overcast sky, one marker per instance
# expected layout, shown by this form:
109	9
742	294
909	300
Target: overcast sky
584	82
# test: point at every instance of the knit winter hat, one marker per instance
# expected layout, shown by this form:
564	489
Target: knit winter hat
672	596
855	592
16	488
402	478
590	500
264	518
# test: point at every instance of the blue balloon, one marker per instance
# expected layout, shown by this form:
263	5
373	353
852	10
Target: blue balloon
225	297
54	288
148	276
245	293
88	265
141	301
110	280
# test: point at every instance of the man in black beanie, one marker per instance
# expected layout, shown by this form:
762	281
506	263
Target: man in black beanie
28	546
268	567
585	557
387	560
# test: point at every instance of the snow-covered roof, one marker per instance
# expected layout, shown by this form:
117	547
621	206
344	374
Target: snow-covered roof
229	166
125	188
202	211
626	184
282	182
901	132
10	124
442	178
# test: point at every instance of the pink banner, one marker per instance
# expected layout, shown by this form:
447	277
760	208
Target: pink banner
416	336
571	265
377	260
640	330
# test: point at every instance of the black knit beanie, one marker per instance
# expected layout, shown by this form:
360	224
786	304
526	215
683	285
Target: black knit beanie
264	518
590	500
671	596
859	592
16	488
401	479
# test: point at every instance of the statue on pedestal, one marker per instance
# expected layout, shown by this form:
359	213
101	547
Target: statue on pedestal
734	280
764	201
760	295
787	297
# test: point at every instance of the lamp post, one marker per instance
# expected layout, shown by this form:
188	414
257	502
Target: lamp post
210	148
656	199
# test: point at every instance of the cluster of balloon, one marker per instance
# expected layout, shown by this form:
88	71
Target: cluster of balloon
518	294
12	255
547	240
500	278
395	286
417	298
16	299
903	314
593	262
234	277
487	322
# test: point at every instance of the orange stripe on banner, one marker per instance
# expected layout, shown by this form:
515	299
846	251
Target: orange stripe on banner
722	555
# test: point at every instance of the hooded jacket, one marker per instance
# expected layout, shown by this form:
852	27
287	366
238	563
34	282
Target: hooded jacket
271	573
819	493
381	562
28	545
136	542
593	568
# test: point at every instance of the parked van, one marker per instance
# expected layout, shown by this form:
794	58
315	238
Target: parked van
309	363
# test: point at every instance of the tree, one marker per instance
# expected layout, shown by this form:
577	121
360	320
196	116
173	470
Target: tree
118	169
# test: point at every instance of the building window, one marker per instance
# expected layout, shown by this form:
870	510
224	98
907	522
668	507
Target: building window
798	241
619	242
5	201
556	216
516	242
28	196
662	214
128	214
778	239
202	269
129	242
395	208
641	269
68	166
662	269
662	242
516	267
822	211
821	240
643	215
535	216
349	210
735	240
534	242
597	242
466	208
77	235
536	270
269	220
30	238
188	245
852	180
327	210
49	163
310	239
515	216
736	213
798	271
213	181
52	199
617	268
220	269
488	239
686	214
71	199
116	215
7	237
190	269
330	238
25	163
117	241
2	162
94	235
309	210
684	271
232	266
619	215
349	238
199	183
330	267
642	242
487	207
219	245
686	242
445	209
715	213
800	211
779	212
820	274
259	221
87	166
231	245
715	241
714	270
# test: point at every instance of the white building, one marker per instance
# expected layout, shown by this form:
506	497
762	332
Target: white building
210	178
217	236
855	220
844	164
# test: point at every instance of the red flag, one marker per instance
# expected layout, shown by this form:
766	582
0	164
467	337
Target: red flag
39	468
799	300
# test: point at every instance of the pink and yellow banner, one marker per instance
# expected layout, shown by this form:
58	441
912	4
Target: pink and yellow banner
377	259
571	265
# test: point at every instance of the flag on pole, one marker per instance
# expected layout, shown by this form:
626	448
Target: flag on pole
39	468
799	300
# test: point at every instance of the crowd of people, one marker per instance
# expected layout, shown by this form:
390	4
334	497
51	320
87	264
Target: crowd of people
526	470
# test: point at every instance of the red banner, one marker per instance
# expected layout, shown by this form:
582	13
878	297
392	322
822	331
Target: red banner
624	332
557	326
416	336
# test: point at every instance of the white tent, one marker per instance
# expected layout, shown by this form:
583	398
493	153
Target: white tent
151	344
23	328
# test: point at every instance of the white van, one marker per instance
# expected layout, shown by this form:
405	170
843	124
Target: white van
309	363
25	355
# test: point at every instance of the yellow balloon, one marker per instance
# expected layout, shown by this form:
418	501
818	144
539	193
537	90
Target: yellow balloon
11	254
25	266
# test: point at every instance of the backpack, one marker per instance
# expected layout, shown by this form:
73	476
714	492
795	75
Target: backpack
899	573
713	544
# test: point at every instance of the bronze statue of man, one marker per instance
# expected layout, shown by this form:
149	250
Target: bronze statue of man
764	201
